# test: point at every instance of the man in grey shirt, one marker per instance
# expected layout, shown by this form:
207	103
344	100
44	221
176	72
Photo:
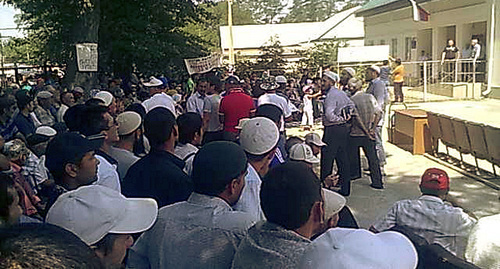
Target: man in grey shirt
292	202
214	128
204	231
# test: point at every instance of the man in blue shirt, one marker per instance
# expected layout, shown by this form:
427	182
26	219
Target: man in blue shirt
23	120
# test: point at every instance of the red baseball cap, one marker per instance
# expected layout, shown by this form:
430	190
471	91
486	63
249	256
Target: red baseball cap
435	179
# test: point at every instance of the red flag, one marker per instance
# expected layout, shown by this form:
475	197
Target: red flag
419	14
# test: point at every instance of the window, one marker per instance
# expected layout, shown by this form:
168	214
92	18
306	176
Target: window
370	43
394	47
382	42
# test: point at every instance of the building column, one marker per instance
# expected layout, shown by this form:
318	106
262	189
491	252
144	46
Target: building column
494	52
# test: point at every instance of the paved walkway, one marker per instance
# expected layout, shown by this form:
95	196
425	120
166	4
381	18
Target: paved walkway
404	170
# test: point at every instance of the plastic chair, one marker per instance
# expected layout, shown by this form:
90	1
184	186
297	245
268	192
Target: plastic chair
479	148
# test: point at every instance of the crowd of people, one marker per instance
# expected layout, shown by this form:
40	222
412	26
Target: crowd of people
157	176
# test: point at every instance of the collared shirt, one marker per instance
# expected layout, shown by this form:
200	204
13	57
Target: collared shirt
279	101
44	116
483	247
249	201
202	232
160	100
431	218
106	172
378	89
268	245
27	198
385	72
476	51
158	175
337	107
124	158
399	74
186	153
195	103
34	172
211	106
366	109
235	106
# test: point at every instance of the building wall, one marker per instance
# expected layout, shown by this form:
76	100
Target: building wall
395	27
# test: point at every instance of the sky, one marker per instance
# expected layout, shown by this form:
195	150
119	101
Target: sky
7	21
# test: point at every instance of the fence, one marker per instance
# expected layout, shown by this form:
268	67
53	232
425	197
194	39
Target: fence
437	81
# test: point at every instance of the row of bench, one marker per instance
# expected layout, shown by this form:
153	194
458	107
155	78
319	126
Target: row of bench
479	140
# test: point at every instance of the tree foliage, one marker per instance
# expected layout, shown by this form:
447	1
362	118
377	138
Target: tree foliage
322	54
264	11
147	34
271	58
318	10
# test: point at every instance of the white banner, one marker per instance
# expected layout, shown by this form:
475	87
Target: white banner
86	57
203	64
363	54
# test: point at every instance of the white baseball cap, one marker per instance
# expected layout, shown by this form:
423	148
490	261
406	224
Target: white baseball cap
303	152
153	82
91	212
105	96
128	122
333	76
375	68
46	131
334	202
359	249
259	135
313	138
44	95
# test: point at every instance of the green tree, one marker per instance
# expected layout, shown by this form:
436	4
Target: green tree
264	11
318	10
322	54
271	58
207	29
147	35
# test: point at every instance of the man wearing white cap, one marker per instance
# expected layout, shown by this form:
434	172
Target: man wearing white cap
204	231
359	249
337	112
302	152
103	219
158	96
42	111
259	138
271	97
109	101
129	131
346	74
378	89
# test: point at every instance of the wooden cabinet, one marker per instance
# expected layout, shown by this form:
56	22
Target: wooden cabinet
410	131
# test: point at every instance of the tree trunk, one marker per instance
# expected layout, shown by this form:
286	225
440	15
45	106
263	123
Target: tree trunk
86	30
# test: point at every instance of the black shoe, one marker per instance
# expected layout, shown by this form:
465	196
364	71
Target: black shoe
377	187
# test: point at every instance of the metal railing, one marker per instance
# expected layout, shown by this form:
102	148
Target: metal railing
436	80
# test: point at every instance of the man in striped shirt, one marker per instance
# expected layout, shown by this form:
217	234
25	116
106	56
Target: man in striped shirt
430	216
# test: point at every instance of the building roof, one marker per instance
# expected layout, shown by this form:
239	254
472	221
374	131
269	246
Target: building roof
375	7
343	25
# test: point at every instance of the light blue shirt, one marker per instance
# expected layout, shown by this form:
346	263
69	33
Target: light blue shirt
202	232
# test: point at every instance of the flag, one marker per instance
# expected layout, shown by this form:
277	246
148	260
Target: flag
419	14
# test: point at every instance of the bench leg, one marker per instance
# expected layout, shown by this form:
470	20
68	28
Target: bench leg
477	166
494	170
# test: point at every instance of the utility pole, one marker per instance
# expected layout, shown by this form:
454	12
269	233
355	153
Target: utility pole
230	27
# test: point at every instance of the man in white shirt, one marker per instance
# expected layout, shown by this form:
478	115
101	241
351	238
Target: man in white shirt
204	231
483	247
158	96
196	101
259	138
430	216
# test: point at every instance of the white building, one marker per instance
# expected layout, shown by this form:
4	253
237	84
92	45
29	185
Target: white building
390	22
248	39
